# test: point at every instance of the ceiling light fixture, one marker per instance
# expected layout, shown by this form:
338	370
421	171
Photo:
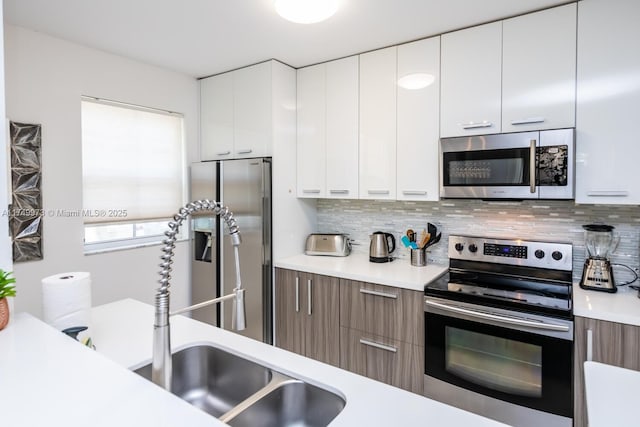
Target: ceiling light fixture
416	81
306	11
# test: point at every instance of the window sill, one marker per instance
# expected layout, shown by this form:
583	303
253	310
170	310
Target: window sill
125	246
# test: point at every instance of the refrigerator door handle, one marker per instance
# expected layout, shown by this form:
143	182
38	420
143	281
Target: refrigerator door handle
297	294
309	301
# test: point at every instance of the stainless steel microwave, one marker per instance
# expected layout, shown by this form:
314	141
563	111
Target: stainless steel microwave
523	165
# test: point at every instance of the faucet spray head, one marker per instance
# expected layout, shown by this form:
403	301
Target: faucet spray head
239	314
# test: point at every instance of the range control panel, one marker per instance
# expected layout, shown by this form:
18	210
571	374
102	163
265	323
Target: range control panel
557	256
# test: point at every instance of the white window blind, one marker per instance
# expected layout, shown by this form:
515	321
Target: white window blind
132	162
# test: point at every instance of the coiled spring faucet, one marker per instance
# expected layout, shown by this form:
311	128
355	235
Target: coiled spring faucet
161	363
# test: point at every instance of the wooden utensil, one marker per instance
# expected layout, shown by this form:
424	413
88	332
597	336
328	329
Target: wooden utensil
424	240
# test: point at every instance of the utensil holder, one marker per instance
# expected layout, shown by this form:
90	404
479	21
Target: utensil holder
419	257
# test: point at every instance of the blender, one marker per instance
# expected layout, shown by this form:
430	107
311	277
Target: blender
597	274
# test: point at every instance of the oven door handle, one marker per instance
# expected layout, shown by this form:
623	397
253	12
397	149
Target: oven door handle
497	318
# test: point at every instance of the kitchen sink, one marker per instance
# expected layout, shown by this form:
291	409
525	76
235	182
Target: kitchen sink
244	393
212	379
293	403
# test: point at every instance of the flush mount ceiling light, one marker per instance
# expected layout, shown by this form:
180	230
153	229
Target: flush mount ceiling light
416	81
306	11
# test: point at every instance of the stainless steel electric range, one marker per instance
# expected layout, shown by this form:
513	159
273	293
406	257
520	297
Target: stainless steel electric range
499	331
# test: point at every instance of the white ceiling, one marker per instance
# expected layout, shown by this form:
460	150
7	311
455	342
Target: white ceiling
204	37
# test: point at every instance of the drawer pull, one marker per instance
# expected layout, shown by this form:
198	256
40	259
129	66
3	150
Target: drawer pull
311	191
472	125
223	153
414	193
297	294
381	192
244	151
309	301
339	191
378	345
378	293
607	193
527	121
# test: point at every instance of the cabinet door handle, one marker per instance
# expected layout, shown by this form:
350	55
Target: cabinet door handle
378	345
378	191
527	121
297	294
244	151
378	293
310	191
472	125
223	153
532	166
414	193
309	301
339	191
589	345
605	193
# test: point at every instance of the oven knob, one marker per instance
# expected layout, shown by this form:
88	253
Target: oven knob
557	255
539	253
473	248
459	247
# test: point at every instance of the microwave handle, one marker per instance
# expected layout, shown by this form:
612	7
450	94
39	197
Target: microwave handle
532	166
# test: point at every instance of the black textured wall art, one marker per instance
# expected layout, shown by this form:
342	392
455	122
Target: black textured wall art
25	220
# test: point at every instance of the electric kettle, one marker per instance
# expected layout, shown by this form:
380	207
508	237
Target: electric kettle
381	247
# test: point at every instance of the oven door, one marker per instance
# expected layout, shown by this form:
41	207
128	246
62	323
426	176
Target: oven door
519	358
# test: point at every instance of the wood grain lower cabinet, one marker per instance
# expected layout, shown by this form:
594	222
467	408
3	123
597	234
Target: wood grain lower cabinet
393	362
382	333
606	342
307	315
382	310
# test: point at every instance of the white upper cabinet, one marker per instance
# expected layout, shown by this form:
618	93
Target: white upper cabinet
471	81
418	119
342	128
608	96
216	117
252	87
236	113
510	76
311	133
327	131
538	70
377	145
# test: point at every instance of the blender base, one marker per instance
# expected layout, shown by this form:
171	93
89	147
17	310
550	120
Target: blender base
597	275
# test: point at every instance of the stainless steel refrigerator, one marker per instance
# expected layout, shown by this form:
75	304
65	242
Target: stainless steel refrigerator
244	186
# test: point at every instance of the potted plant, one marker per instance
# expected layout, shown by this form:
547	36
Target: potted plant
6	290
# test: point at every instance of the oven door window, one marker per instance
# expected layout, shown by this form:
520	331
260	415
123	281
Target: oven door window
497	363
519	367
503	167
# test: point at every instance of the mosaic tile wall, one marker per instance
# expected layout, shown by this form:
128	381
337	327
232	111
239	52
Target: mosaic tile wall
542	220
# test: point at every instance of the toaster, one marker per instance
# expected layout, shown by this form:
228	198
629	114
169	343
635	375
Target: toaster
327	244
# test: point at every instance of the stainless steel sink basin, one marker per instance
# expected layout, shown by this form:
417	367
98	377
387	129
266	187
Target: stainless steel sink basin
243	393
293	403
212	379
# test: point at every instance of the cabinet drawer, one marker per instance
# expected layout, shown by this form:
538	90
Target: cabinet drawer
382	310
392	362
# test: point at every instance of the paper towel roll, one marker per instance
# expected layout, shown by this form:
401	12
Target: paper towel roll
66	301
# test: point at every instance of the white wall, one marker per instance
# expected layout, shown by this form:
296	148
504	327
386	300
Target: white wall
5	243
45	78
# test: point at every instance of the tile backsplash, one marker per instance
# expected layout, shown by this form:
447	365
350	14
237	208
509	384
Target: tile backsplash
533	220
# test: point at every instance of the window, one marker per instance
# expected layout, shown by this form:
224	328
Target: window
132	172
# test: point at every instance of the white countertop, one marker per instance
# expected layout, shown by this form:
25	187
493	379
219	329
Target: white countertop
399	272
622	306
48	379
612	395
